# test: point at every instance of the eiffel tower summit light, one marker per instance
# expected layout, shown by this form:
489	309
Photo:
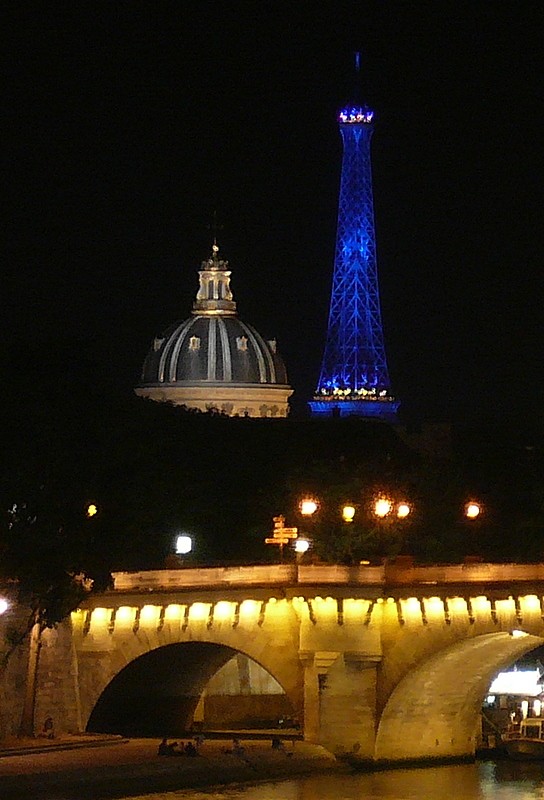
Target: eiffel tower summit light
354	378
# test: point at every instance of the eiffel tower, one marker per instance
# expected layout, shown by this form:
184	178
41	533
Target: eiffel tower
354	378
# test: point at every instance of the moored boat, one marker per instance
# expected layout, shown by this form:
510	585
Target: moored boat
527	743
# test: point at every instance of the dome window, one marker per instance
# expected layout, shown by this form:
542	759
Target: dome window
157	343
272	345
194	343
241	343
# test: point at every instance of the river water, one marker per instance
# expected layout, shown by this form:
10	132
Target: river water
502	780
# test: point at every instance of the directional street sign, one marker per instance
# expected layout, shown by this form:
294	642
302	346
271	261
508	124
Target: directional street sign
276	540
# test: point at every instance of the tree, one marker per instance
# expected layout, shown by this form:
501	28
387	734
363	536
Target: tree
40	571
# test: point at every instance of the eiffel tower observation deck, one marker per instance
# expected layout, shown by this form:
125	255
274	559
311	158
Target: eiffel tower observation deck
354	378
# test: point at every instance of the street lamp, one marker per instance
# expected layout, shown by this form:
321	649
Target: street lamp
302	546
472	509
184	544
4	605
403	510
91	510
382	507
348	513
308	506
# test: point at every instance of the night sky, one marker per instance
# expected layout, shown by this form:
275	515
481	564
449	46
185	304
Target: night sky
128	124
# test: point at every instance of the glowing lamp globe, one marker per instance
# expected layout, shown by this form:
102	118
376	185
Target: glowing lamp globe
302	545
91	510
472	510
308	507
403	510
4	605
382	507
348	512
184	544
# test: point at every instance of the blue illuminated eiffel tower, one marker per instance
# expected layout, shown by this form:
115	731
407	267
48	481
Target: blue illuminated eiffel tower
354	379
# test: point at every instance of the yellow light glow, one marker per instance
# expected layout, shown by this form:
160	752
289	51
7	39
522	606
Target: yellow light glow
249	608
125	614
481	603
173	611
412	605
100	615
223	610
199	611
348	512
530	603
355	608
505	606
308	506
91	510
302	545
434	606
472	510
382	507
403	510
457	605
519	634
150	613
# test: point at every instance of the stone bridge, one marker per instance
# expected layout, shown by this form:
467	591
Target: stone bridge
386	663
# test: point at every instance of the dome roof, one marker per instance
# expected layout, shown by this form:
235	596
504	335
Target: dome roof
213	359
215	349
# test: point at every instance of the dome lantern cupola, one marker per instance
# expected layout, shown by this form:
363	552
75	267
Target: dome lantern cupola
214	294
213	360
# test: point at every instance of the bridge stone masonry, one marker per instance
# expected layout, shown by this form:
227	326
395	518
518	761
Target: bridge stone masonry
380	663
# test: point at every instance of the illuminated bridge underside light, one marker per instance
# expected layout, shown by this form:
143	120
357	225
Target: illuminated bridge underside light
530	602
199	611
174	611
250	608
434	607
100	615
481	604
125	614
223	610
505	607
150	613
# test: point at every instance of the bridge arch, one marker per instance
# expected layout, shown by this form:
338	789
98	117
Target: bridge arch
127	646
434	710
157	693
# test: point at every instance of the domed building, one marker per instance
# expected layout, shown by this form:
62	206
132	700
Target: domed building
213	360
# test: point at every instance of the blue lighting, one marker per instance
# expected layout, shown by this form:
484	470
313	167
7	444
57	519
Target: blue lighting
354	377
355	115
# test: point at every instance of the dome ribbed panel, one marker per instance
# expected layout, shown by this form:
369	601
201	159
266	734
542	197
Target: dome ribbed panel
212	349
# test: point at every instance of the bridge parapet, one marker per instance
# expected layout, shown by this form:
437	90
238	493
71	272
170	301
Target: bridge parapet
388	576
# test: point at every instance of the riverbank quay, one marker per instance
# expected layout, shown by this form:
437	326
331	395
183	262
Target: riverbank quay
128	768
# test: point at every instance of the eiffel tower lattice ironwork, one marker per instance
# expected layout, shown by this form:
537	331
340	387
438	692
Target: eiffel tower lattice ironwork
354	378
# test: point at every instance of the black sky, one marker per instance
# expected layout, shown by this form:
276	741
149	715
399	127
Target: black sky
129	123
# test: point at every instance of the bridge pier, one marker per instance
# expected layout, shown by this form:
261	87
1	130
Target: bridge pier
340	702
